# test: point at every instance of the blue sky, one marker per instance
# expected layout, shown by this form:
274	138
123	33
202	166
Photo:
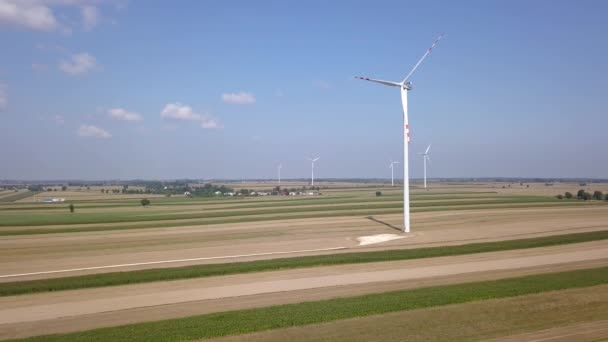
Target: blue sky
228	89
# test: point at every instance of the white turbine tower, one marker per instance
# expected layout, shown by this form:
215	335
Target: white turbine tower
426	157
312	169
392	167
405	86
279	170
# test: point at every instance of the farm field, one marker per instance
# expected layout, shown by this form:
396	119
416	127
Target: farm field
114	262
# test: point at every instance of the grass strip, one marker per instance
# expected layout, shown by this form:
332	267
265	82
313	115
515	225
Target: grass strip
200	271
42	219
246	203
283	316
17	196
235	217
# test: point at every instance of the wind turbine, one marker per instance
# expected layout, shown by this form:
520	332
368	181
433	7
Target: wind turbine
392	167
279	170
312	169
405	86
426	157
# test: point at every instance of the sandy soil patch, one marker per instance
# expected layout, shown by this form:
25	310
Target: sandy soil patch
379	238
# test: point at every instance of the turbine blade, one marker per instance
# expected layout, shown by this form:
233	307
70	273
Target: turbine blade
421	59
314	160
388	83
427	149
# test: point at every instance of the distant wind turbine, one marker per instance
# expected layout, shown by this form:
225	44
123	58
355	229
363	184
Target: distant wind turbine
392	167
405	86
312	169
426	157
279	169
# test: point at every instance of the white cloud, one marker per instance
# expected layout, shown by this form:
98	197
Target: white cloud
90	131
122	114
90	17
30	14
40	15
241	98
3	96
177	111
79	64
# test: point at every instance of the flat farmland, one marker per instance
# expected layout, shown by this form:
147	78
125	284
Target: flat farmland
110	240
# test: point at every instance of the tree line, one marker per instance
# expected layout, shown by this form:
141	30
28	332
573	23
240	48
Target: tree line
584	195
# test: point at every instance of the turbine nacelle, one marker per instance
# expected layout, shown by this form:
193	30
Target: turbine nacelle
408	86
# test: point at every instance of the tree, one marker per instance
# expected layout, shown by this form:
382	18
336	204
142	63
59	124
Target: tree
64	188
568	195
580	194
559	196
586	196
378	193
71	207
145	202
103	190
606	197
597	195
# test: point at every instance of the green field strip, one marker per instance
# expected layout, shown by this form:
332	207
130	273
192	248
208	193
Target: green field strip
40	219
234	217
240	204
17	196
300	314
200	271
